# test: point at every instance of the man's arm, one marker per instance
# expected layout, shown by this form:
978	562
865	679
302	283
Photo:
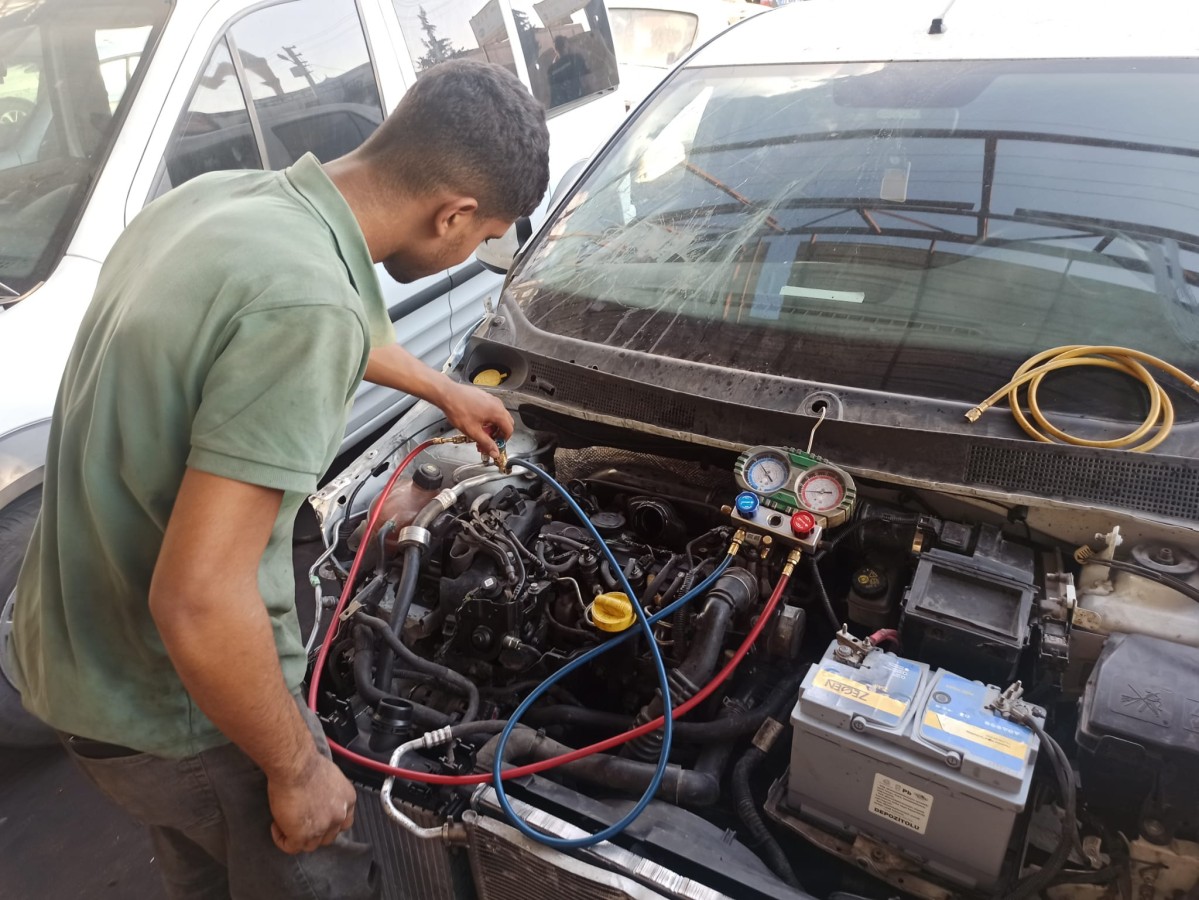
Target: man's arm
475	413
205	601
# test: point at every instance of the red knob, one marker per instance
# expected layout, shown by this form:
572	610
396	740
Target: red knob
803	523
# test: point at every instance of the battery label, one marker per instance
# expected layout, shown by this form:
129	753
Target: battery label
956	717
901	803
976	735
866	694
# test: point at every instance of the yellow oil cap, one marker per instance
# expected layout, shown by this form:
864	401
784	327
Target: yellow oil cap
612	612
490	378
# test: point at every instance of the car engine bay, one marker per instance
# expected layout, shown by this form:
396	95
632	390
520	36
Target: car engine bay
884	689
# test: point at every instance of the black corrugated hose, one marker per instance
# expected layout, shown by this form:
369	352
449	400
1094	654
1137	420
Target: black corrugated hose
761	839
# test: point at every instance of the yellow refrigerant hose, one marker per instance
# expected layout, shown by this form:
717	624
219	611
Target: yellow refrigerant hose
1122	359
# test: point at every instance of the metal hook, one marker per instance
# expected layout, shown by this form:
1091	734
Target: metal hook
812	436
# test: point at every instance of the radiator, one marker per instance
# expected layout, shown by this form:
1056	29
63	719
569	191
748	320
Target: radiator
412	868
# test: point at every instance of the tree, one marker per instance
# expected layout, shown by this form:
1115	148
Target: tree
528	36
437	49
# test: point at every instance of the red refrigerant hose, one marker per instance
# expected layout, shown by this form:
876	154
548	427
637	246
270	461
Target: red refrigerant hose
532	768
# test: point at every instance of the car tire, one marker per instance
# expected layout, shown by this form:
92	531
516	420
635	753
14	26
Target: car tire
17	727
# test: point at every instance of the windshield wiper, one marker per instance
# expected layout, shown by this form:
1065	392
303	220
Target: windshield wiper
711	179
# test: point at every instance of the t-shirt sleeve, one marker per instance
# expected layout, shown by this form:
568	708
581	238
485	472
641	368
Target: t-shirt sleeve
277	396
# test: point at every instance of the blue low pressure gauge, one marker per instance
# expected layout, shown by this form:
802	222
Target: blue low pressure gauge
767	472
747	504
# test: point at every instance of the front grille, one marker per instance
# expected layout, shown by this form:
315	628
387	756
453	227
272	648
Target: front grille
411	868
1152	486
581	387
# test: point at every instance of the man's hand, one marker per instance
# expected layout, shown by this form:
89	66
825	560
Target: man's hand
478	415
475	413
312	808
205	601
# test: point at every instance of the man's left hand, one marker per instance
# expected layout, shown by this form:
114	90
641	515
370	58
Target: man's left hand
479	415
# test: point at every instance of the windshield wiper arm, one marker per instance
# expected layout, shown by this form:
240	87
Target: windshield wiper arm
771	221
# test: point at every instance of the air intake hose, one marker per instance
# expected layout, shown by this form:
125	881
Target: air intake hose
683	787
734	592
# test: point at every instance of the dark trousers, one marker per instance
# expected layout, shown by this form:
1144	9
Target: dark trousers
211	826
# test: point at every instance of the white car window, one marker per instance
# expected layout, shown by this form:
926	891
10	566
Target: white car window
568	47
451	29
306	67
652	37
309	72
214	133
65	72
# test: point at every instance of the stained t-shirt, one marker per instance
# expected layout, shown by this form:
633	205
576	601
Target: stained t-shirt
229	329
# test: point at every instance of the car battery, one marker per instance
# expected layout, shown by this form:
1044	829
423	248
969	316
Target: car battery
911	757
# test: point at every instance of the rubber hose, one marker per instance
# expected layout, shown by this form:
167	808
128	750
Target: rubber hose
424	716
747	811
825	602
683	787
734	592
405	592
1121	359
556	568
448	677
723	729
850	529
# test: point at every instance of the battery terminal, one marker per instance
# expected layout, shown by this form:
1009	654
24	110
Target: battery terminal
852	650
1010	703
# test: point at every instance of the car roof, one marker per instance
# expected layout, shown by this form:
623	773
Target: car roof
723	8
833	31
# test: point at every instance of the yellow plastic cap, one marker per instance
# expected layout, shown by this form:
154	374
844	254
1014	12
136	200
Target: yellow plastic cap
490	378
612	612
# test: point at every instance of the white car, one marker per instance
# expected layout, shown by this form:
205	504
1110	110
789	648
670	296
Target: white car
762	326
652	36
105	105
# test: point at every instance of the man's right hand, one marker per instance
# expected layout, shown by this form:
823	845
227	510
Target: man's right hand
312	809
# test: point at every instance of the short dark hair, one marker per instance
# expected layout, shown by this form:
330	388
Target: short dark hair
467	126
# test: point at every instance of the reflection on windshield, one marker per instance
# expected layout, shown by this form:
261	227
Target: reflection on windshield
919	228
65	67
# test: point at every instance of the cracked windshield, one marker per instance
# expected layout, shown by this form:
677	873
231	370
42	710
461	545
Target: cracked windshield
918	228
64	70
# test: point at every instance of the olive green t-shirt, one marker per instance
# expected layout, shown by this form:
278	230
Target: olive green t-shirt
229	329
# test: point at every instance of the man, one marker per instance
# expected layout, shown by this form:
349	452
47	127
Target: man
207	391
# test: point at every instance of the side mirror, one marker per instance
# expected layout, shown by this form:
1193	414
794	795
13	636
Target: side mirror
498	254
566	182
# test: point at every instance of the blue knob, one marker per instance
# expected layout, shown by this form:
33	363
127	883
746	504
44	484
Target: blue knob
747	504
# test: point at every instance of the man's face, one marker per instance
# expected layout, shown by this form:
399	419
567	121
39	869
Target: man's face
461	238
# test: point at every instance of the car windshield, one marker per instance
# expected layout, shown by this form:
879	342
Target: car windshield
65	68
652	37
914	228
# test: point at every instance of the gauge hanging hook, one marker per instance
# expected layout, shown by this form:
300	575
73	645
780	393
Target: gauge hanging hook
812	435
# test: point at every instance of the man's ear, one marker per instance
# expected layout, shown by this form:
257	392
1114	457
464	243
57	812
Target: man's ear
455	213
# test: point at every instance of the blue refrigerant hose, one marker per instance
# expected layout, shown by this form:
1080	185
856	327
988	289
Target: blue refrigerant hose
646	623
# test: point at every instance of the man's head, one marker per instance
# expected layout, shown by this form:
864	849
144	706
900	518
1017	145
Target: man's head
463	155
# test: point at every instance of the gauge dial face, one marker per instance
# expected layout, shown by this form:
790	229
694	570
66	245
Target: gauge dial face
767	473
821	490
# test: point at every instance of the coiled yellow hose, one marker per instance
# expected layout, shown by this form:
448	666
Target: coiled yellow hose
1122	359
